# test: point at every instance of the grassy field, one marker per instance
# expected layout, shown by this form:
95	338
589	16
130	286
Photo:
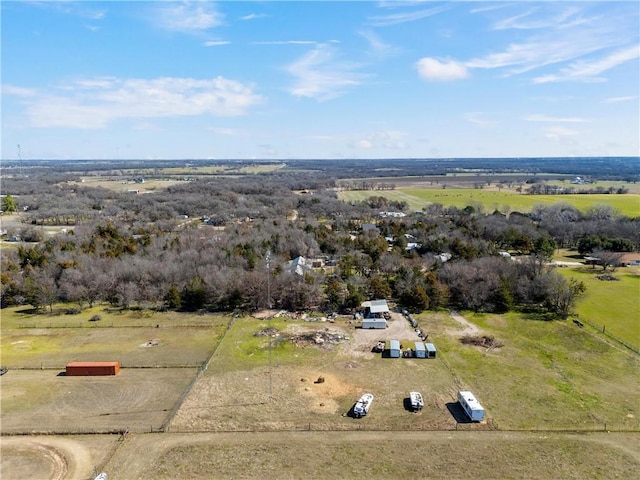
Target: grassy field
134	338
491	200
611	304
547	374
375	455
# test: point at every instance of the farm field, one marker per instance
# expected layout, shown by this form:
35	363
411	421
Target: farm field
491	200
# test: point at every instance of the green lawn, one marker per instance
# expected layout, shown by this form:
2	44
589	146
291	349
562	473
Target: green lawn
505	201
614	305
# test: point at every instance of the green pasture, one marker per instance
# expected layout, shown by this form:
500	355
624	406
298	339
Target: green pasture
134	338
550	375
491	200
614	305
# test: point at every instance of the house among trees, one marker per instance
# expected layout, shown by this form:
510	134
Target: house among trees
629	260
299	265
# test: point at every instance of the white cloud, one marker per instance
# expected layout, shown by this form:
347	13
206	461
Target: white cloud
588	70
94	103
188	16
318	75
403	17
437	70
545	118
528	20
18	91
377	45
224	131
287	42
386	139
479	118
619	99
253	16
216	43
558	132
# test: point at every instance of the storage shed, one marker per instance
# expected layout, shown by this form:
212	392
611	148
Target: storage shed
92	368
431	350
394	349
420	350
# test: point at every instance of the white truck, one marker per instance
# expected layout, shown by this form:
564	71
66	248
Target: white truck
417	401
361	408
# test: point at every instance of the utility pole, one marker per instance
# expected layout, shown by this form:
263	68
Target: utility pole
268	259
20	159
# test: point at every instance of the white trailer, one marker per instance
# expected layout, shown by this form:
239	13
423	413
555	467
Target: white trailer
417	401
361	408
471	406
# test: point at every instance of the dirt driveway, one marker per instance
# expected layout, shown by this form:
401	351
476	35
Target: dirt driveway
365	339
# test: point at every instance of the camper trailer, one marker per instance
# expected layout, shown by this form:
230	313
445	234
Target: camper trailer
416	401
361	408
471	406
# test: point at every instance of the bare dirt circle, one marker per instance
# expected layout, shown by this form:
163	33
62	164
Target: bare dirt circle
43	458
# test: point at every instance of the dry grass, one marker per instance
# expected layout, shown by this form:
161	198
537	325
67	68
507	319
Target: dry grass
43	401
376	455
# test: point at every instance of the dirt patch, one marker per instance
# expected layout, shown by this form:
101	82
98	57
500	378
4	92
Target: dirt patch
322	395
469	329
483	341
51	457
365	340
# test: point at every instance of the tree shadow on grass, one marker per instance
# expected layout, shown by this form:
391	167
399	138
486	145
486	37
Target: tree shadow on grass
538	314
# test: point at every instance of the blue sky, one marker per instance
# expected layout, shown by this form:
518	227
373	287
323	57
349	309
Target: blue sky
280	80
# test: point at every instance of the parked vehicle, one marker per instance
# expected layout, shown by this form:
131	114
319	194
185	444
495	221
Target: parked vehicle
417	401
361	408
